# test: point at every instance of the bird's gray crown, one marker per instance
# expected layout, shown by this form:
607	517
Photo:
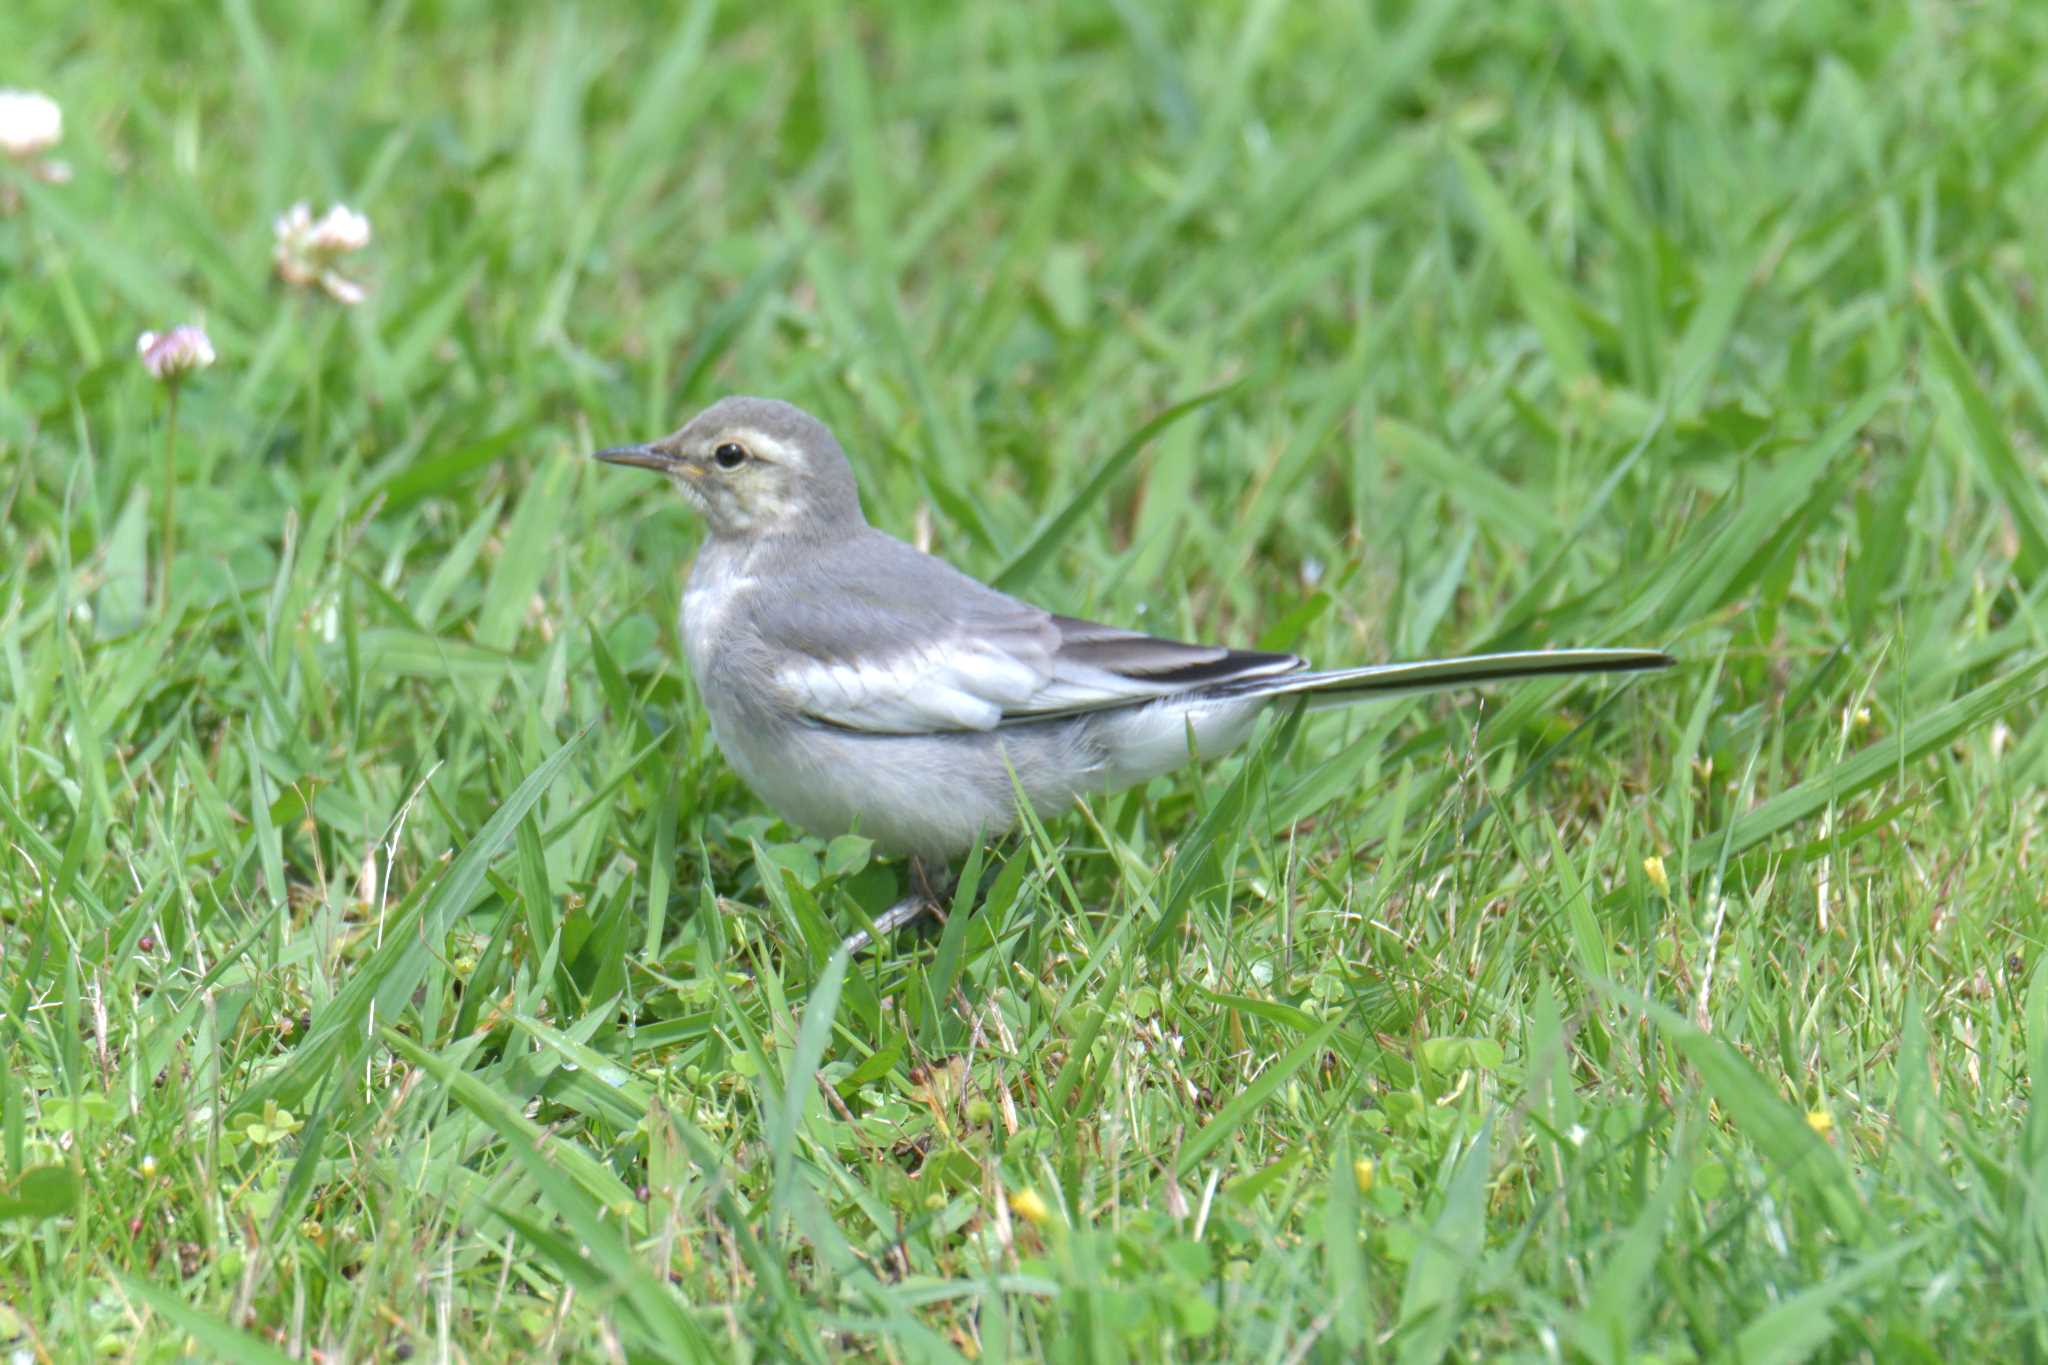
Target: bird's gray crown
786	424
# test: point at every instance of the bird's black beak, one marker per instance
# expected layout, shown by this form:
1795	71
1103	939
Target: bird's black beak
640	457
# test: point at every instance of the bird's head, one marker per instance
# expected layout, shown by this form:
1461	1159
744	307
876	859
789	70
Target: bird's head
755	467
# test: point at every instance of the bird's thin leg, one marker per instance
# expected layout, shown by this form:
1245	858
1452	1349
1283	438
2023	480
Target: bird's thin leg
924	899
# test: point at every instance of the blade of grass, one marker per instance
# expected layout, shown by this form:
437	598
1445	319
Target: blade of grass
1993	449
385	981
1792	1331
661	1320
1235	1114
1446	1258
221	1341
800	1079
1781	1133
1051	533
1542	293
1874	762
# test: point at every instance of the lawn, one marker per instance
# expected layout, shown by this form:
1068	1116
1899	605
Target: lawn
391	968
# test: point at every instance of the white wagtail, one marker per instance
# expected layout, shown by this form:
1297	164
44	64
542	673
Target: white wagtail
857	683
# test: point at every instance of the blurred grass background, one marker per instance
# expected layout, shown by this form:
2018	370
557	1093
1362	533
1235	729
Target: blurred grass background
392	968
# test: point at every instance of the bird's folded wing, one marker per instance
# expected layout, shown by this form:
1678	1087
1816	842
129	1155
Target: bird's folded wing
888	640
969	678
951	683
1099	666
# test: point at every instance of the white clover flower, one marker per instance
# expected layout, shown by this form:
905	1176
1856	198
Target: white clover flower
342	289
294	225
170	356
30	124
307	250
341	229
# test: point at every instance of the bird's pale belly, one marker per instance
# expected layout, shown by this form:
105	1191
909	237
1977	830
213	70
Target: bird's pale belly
927	796
932	796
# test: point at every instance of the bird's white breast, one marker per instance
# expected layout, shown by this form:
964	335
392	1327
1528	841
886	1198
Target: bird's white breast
707	610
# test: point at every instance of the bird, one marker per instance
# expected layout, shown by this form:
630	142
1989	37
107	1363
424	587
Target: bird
859	685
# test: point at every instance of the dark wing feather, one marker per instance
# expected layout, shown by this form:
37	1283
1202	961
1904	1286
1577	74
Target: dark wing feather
1098	666
1170	663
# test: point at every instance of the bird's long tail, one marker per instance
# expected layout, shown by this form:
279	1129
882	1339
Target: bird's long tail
1341	686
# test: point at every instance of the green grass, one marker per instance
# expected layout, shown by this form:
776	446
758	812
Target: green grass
388	960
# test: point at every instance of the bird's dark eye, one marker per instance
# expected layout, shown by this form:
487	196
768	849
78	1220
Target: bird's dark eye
731	455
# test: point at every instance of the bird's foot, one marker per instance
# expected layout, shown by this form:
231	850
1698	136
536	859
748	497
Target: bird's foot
925	898
906	911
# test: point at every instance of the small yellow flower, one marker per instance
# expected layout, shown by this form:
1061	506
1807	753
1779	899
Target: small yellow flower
1820	1121
1653	868
1363	1170
148	1163
1029	1205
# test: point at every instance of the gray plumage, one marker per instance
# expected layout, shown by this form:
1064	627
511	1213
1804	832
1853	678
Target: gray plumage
856	683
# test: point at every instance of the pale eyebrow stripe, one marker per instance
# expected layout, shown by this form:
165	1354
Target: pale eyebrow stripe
767	447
